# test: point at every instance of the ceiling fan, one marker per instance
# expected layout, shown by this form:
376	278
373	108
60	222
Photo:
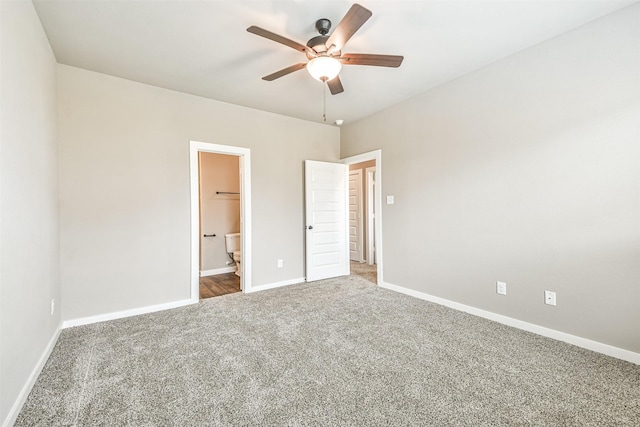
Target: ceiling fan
324	52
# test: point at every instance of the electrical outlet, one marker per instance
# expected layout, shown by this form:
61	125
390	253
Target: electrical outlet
279	263
549	298
501	288
53	305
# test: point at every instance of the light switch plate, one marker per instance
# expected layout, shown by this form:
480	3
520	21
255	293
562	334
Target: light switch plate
501	288
390	200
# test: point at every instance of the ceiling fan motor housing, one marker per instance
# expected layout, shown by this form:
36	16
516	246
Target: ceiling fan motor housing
318	43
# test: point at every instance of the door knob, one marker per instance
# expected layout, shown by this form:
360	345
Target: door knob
310	227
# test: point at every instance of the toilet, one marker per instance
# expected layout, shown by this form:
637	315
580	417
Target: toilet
232	245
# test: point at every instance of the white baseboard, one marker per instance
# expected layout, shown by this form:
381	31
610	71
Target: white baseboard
26	389
598	347
276	285
125	313
217	271
153	308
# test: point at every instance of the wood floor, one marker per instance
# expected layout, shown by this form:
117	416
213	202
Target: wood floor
220	284
228	283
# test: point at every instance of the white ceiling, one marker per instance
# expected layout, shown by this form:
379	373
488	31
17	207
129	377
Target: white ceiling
203	48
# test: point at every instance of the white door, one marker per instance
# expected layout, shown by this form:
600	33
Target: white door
355	215
327	239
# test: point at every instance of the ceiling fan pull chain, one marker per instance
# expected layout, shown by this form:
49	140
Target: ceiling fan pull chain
324	102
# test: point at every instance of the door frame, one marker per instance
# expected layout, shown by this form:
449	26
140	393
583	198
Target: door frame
244	155
371	178
377	156
359	219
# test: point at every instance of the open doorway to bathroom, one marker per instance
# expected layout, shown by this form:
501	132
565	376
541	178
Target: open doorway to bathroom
365	226
220	177
220	254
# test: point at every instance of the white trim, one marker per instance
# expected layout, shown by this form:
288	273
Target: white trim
33	377
125	313
217	271
598	347
359	220
277	284
377	156
370	184
245	211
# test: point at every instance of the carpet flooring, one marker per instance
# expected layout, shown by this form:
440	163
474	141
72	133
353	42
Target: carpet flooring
338	352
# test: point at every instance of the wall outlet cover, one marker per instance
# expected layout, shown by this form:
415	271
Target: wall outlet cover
549	298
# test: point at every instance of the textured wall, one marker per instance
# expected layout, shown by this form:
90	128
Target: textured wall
526	171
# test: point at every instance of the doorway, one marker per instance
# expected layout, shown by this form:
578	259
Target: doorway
244	159
220	251
370	264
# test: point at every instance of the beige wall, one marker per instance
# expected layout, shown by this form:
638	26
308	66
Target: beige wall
29	261
219	213
124	188
526	171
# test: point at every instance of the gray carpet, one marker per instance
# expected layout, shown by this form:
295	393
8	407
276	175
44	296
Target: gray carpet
331	353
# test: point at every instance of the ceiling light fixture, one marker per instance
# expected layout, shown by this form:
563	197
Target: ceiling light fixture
324	68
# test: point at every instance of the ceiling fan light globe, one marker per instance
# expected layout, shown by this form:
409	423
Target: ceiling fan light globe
324	68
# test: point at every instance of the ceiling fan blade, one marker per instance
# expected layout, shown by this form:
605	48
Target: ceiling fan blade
284	72
277	38
352	21
335	85
371	59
